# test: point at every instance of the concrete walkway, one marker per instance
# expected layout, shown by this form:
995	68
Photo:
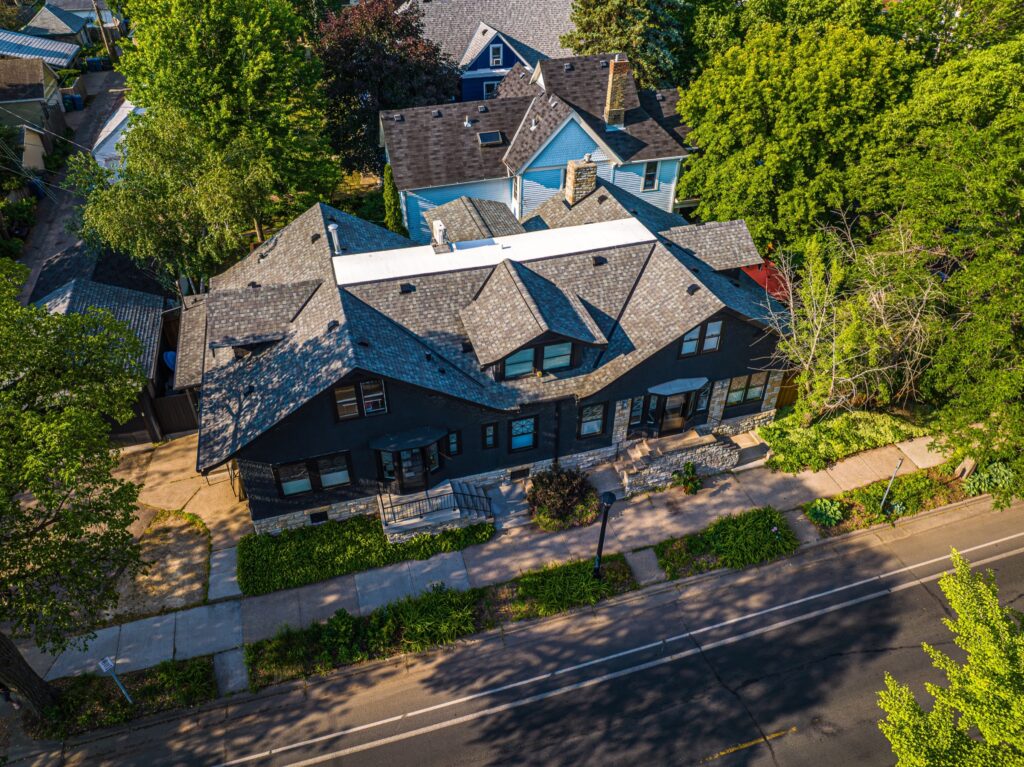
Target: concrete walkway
222	627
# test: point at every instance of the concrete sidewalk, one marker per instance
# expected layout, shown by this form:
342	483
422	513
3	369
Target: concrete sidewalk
221	628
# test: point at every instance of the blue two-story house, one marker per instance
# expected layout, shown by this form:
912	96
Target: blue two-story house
514	148
488	37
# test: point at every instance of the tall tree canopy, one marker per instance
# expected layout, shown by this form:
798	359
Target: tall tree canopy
977	719
781	119
944	29
179	204
236	70
63	518
375	58
654	35
951	162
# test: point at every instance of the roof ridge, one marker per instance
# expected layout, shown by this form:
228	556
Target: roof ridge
524	292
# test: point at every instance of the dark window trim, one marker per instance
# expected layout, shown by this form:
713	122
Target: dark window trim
313	472
536	440
604	421
483	436
747	399
575	354
357	386
643	181
700	340
449	452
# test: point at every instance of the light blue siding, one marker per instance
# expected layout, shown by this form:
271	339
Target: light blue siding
631	178
571	143
539	186
419	201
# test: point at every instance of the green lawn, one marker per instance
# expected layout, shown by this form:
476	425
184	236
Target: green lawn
311	554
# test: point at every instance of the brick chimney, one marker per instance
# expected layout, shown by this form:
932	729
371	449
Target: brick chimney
580	179
615	101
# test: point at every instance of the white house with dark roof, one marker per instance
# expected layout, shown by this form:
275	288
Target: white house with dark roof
515	148
488	37
342	369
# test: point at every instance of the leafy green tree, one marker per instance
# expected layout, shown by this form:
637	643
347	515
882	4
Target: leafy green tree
236	69
376	58
392	204
860	322
977	719
944	29
950	161
781	119
654	35
179	205
64	519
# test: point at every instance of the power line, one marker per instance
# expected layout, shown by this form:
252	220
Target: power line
47	130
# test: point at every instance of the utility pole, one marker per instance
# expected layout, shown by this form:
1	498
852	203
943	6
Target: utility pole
103	33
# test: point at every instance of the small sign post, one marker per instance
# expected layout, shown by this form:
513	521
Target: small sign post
107	667
888	487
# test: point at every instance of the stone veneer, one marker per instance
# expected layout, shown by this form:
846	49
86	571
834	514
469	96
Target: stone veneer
708	458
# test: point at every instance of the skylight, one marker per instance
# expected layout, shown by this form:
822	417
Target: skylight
490	138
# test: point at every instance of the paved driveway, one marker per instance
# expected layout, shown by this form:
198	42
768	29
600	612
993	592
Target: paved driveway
49	235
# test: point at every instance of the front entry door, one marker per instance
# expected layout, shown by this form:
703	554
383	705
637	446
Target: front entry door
673	417
413	477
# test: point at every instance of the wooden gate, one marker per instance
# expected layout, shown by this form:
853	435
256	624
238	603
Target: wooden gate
175	413
787	392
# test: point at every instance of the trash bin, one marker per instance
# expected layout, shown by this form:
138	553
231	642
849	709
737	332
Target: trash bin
79	100
69	103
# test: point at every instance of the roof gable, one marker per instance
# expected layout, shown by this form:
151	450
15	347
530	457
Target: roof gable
468	219
53	20
481	41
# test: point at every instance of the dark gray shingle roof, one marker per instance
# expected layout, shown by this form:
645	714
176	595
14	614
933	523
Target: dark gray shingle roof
468	219
22	79
535	28
54	20
142	312
720	244
529	305
188	366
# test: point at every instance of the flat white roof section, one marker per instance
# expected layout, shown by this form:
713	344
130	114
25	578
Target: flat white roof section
421	259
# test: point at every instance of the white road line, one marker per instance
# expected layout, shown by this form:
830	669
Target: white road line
622	672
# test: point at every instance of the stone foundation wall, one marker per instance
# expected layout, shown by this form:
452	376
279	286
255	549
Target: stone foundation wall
711	458
739	425
336	511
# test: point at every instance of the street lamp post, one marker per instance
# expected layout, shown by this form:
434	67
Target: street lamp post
607	499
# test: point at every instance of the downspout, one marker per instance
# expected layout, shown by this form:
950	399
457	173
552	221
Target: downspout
558	429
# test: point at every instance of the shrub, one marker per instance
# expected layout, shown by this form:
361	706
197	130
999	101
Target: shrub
310	554
990	479
687	479
562	498
751	538
558	588
826	512
90	701
796	447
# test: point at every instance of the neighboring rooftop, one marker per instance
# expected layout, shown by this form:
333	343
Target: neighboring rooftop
105	150
53	52
441	145
142	312
22	79
467	219
105	267
52	20
78	6
463	27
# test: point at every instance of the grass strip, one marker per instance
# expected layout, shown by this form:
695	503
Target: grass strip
307	555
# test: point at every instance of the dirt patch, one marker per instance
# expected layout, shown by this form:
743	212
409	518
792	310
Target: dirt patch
176	548
133	466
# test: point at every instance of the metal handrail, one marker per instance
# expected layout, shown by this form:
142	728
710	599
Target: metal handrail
472	499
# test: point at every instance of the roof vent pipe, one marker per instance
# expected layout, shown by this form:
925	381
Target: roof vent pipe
467	123
335	239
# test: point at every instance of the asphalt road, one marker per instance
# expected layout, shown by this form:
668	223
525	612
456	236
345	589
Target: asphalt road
774	666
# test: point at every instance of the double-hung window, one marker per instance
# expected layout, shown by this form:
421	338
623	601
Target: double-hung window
636	411
712	336
557	356
366	398
746	389
346	402
519	364
495	53
490	89
374	399
489	436
702	339
650	176
334	470
592	420
293	478
523	433
454	442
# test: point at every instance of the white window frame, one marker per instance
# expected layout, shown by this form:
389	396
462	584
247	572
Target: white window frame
643	179
491	57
